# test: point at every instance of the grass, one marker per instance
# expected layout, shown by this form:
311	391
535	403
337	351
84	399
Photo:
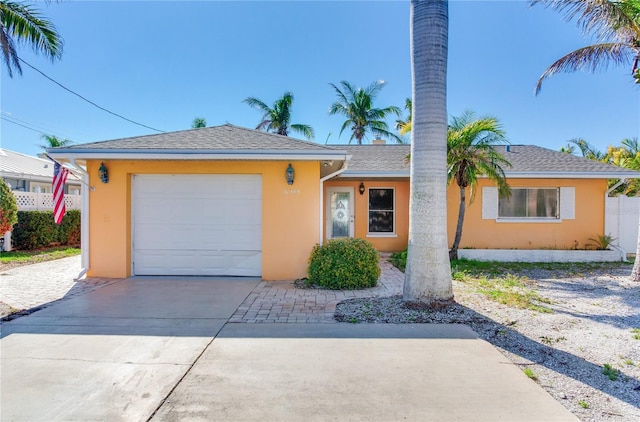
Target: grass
529	372
508	289
18	258
610	372
583	404
499	280
494	268
636	333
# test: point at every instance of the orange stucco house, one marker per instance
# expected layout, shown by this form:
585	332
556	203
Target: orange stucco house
226	200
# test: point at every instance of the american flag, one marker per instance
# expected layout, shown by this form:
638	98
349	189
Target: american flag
59	178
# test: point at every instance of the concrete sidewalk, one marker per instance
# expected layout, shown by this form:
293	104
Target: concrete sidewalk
356	372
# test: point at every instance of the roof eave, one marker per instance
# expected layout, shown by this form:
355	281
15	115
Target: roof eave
376	174
572	175
166	154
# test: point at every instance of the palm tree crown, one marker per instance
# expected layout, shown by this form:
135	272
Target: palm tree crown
471	154
404	126
22	23
198	122
616	24
357	106
52	141
277	119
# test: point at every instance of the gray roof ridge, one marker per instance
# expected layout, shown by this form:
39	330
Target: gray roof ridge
176	132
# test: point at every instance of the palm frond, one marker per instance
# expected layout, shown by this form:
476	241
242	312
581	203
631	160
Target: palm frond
591	58
24	24
606	19
305	130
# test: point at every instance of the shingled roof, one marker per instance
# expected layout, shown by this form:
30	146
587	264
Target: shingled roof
526	161
216	140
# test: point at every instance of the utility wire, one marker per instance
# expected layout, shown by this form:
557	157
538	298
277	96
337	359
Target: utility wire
89	101
24	126
10	117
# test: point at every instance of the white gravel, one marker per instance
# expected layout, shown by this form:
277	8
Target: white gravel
591	325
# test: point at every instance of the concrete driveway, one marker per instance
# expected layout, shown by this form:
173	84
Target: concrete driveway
161	349
115	353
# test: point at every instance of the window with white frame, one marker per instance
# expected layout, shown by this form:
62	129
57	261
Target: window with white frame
530	203
381	210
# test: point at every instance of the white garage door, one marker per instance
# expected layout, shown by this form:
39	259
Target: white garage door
197	224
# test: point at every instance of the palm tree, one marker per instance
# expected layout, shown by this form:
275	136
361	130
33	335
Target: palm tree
356	104
277	119
198	122
52	141
404	126
586	149
22	23
428	272
616	23
568	149
471	154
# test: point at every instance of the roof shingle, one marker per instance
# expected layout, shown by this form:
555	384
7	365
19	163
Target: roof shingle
225	137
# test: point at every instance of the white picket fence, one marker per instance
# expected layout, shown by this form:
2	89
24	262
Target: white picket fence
621	217
34	201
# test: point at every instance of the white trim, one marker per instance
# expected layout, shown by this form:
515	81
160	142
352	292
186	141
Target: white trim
376	175
571	175
567	206
528	220
381	234
350	190
85	258
202	155
509	175
344	166
490	200
558	217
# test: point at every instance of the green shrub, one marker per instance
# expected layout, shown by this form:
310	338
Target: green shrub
37	229
8	208
344	264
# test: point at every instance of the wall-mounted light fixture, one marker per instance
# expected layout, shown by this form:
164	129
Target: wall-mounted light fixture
361	188
104	173
290	174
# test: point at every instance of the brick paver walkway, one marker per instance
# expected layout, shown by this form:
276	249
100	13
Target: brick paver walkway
42	284
49	282
281	301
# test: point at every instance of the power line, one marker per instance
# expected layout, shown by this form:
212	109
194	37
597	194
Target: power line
19	124
89	101
10	117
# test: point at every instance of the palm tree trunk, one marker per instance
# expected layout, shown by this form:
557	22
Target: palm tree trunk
453	253
428	272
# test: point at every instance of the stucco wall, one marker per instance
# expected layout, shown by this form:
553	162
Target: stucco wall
398	242
491	234
289	213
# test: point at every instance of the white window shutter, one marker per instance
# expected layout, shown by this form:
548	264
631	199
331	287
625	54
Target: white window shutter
568	203
489	203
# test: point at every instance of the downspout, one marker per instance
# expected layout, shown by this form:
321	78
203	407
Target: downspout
84	219
329	176
622	252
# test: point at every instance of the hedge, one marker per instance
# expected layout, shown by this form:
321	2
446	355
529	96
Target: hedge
37	229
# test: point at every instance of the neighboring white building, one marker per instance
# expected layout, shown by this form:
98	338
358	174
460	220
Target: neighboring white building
31	174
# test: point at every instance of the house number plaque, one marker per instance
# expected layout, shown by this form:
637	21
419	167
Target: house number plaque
291	191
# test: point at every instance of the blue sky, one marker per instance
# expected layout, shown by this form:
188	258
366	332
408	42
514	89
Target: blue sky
164	63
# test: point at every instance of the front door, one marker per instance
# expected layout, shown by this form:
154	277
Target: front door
339	212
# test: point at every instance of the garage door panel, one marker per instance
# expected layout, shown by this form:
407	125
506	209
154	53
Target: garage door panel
194	262
197	224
